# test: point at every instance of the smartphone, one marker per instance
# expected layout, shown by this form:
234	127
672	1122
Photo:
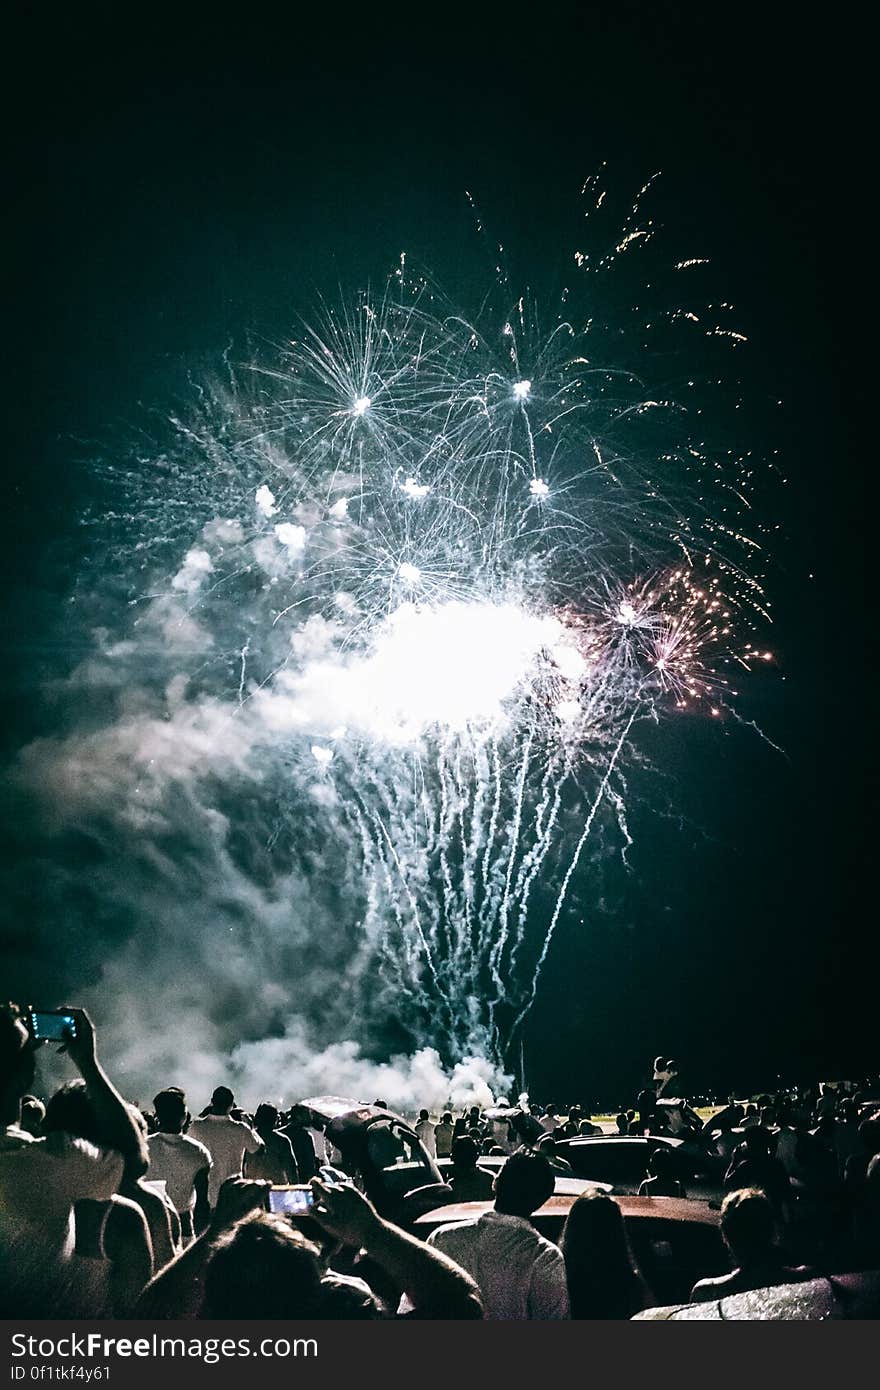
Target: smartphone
51	1025
296	1200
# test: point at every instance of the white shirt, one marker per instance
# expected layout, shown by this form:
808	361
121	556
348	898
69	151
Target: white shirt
519	1274
40	1179
227	1141
425	1131
175	1159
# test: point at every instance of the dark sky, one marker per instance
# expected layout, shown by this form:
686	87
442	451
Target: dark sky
174	188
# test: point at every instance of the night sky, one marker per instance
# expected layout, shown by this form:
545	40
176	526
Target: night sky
177	190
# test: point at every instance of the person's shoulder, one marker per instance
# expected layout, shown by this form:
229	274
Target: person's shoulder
707	1289
452	1229
96	1172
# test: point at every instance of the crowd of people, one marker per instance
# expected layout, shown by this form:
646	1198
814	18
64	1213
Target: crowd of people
107	1210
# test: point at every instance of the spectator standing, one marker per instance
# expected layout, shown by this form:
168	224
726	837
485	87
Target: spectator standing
227	1140
426	1132
41	1179
520	1275
444	1135
275	1163
300	1135
180	1161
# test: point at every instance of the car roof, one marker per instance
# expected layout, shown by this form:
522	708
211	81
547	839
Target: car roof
351	1111
598	1140
560	1204
841	1296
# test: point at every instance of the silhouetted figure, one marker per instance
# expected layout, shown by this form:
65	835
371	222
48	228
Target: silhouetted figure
748	1225
603	1280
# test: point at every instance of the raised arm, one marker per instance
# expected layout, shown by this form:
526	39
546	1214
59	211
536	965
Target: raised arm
436	1287
116	1125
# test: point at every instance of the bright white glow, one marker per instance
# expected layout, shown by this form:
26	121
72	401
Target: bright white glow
452	667
322	755
521	389
265	500
361	405
569	660
409	574
414	489
627	615
293	538
538	487
339	510
567	711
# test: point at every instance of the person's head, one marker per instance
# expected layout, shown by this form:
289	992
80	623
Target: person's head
869	1136
660	1163
33	1113
170	1109
464	1154
758	1141
623	1123
70	1111
486	1144
748	1225
586	1126
266	1118
263	1268
423	1115
446	1118
523	1185
299	1116
222	1101
17	1055
380	1103
547	1145
596	1250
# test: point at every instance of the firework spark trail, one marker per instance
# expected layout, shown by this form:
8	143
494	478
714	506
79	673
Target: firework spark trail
451	560
575	859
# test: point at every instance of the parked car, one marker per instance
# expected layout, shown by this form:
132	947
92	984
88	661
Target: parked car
841	1296
382	1151
623	1161
675	1241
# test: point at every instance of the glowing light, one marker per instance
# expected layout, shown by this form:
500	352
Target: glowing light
539	488
293	538
414	489
567	711
522	390
339	510
322	755
409	574
265	500
627	615
361	406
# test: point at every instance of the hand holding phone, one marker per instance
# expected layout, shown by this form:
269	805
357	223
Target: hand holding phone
51	1025
296	1199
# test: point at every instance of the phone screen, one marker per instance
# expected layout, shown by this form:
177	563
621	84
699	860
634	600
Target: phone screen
52	1027
293	1200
